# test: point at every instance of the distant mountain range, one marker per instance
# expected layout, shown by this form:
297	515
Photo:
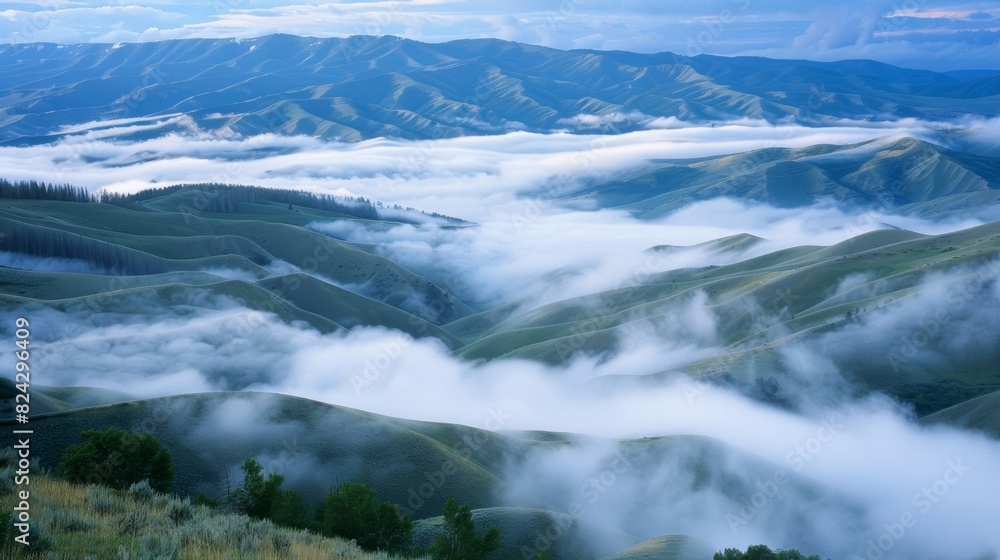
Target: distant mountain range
365	87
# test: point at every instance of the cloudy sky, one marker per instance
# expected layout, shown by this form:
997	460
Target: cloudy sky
935	34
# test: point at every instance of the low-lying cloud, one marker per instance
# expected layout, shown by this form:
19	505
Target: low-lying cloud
832	478
470	177
855	467
550	253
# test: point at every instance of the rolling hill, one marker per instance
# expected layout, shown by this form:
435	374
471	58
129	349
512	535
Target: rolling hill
906	176
262	258
856	303
316	445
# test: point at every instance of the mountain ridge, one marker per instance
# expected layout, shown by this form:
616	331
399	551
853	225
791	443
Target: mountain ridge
364	87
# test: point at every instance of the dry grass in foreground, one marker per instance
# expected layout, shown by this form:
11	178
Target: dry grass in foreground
94	522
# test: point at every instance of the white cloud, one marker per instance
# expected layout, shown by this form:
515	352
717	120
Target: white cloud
469	177
860	464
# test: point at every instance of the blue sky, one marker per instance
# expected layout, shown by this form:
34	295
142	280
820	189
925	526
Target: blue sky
931	34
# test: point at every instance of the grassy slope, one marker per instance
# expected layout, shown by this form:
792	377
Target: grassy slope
338	444
807	278
140	300
668	547
795	287
348	308
95	522
180	241
918	177
47	399
318	445
981	413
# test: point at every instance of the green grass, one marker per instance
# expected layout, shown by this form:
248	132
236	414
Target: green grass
981	413
187	242
921	178
96	522
669	547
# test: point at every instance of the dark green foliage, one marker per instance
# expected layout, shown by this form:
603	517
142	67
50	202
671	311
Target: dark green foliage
222	199
263	497
932	396
118	459
133	200
203	500
40	241
35	190
353	511
289	510
258	495
761	552
460	541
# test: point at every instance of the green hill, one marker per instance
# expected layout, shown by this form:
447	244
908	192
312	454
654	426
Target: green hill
417	465
75	521
155	247
907	175
981	413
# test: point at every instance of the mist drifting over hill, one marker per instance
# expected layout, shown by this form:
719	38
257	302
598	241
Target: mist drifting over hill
680	298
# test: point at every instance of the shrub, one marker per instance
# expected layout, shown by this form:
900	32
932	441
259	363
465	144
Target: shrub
226	531
256	497
39	538
118	459
161	501
353	511
282	543
460	541
761	552
66	520
102	501
156	547
180	511
289	510
141	491
132	523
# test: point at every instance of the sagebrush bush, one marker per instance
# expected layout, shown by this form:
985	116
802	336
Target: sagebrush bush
180	511
132	523
141	491
282	543
102	500
65	520
349	549
160	501
227	531
159	547
100	523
